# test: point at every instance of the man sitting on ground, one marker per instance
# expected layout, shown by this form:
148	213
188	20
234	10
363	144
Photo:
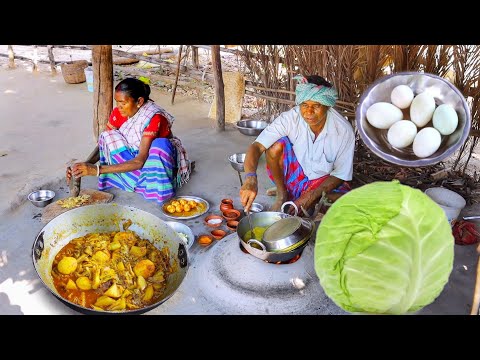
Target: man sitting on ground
309	149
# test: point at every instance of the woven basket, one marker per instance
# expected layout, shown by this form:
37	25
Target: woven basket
73	72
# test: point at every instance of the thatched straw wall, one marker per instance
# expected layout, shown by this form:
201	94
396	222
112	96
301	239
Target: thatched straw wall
352	68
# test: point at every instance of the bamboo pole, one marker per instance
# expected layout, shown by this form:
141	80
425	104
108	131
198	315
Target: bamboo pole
155	77
253	86
77	47
19	57
178	73
52	59
239	52
271	98
140	57
257	87
219	87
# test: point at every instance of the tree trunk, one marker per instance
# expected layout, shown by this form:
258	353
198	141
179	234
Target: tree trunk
195	57
219	87
52	59
11	57
102	62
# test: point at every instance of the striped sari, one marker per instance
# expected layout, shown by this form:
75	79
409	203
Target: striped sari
160	175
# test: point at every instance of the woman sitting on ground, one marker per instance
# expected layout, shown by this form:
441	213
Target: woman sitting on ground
137	151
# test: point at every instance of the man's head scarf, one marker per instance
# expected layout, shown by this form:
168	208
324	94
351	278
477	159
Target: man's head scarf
307	91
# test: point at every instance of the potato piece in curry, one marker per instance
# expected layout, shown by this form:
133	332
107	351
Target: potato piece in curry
115	271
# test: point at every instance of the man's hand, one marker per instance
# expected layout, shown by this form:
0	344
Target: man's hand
306	200
248	192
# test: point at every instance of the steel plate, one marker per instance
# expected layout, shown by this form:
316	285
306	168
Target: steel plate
443	92
204	207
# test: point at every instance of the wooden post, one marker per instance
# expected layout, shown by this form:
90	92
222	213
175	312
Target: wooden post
52	59
476	291
219	87
11	57
35	58
195	56
102	62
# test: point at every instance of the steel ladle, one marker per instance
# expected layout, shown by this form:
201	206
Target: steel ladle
249	223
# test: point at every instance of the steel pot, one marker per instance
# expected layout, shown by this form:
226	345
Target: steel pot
281	239
107	218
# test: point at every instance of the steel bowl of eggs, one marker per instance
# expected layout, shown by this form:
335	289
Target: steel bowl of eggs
185	207
413	118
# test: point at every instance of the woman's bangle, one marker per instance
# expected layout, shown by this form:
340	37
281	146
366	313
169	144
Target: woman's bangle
251	174
98	170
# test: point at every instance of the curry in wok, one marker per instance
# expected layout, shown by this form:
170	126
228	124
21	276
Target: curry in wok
112	271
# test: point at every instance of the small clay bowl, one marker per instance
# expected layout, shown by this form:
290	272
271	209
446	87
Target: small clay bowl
231	214
226	204
213	220
204	240
218	233
232	225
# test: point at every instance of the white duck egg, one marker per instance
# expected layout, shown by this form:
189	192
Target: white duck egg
445	119
426	142
422	109
382	115
402	133
402	96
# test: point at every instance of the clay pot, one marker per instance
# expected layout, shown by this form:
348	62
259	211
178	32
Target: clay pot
205	240
232	225
213	221
231	214
226	204
218	234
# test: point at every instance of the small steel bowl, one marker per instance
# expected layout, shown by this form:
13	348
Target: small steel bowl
237	160
41	198
184	229
443	92
251	127
255	208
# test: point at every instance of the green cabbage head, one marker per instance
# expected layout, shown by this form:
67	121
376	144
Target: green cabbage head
384	248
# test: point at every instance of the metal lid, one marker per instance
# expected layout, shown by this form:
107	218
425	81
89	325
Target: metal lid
281	229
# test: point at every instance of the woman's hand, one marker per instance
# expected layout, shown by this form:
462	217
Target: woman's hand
83	169
248	192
